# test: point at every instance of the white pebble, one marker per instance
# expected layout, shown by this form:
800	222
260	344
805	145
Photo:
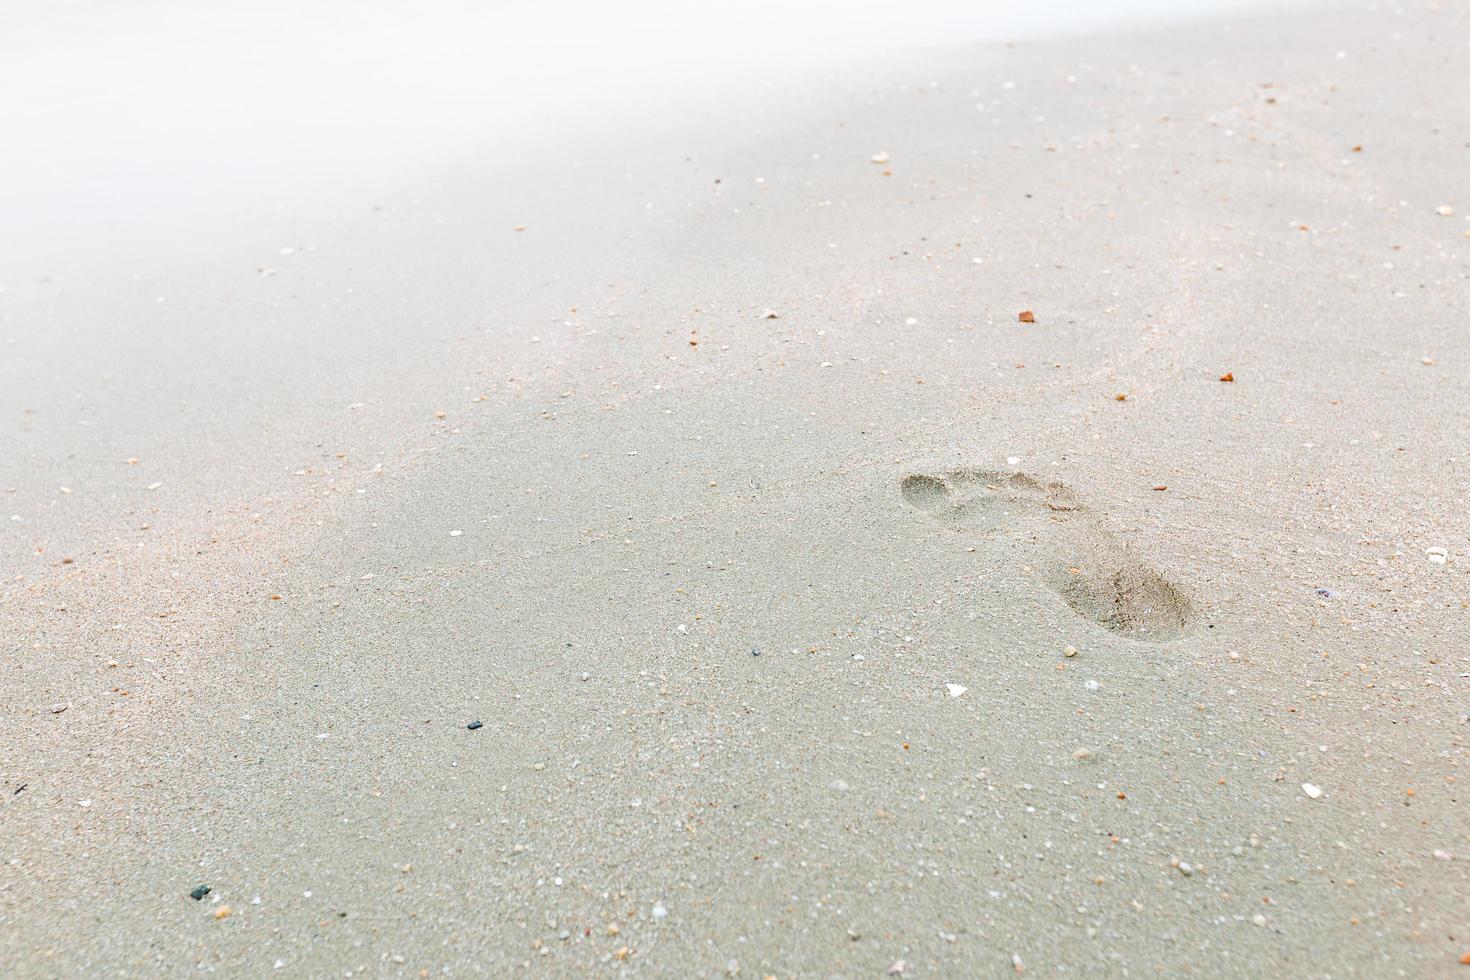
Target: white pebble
1313	791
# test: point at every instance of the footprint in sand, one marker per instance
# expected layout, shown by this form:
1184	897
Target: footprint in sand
1098	577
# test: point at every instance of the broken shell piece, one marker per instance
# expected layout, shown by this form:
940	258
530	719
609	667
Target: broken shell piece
1437	555
879	157
955	690
1313	791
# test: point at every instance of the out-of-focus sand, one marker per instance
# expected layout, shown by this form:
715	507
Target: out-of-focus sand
699	490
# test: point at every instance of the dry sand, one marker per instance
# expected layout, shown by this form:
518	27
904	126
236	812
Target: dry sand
733	497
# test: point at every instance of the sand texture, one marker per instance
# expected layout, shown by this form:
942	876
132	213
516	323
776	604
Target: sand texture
717	475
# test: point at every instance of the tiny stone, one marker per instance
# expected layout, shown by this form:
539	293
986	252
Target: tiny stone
1258	919
1069	651
475	724
58	708
223	912
660	912
840	786
879	158
200	892
1312	791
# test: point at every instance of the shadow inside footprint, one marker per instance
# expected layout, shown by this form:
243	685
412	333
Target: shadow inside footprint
928	493
1096	576
1132	599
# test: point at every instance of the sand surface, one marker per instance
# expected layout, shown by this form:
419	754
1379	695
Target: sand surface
715	474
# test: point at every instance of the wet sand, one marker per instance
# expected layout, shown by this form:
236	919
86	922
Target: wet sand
719	478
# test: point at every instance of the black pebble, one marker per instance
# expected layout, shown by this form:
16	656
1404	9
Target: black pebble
200	892
475	724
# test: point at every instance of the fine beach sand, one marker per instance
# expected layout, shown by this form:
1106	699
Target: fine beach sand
718	477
